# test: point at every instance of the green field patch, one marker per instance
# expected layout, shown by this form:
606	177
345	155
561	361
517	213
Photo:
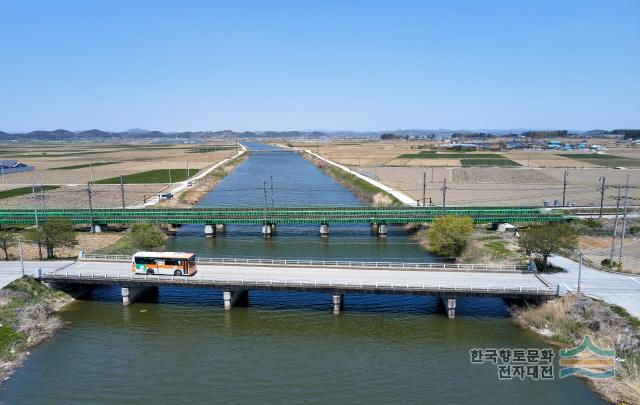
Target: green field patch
451	155
14	192
488	162
602	159
83	165
207	149
152	176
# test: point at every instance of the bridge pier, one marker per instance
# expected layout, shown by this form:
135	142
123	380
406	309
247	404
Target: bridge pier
130	294
337	302
235	297
449	304
210	230
95	228
382	230
268	230
324	230
374	228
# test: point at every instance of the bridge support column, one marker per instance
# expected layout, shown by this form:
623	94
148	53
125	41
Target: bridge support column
129	294
95	228
336	300
374	228
449	304
382	230
267	230
235	297
324	230
210	230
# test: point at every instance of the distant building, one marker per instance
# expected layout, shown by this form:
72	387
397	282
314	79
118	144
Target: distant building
13	166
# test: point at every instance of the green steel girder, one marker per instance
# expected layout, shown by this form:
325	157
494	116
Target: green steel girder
281	215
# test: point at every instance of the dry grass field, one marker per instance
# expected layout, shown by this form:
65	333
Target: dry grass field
539	177
67	166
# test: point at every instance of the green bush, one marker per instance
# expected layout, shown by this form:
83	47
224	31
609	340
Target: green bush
146	236
449	235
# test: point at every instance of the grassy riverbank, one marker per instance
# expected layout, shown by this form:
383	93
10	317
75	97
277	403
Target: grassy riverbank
565	321
27	317
365	191
194	194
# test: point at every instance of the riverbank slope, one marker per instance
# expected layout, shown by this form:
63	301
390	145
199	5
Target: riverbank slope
27	317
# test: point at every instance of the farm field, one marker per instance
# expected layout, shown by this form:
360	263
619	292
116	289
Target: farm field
152	176
528	177
71	166
14	192
607	160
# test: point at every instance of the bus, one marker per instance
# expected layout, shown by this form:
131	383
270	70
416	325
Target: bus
165	263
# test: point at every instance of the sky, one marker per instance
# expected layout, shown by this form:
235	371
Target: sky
326	65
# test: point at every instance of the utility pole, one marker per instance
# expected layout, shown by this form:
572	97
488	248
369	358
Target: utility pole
35	213
615	225
91	169
564	189
424	189
44	204
188	169
2	168
35	207
602	195
264	189
444	195
579	271
122	192
272	204
170	182
624	221
90	206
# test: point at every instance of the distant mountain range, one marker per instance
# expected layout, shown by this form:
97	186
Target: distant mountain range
143	134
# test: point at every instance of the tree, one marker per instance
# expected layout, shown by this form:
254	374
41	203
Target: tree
54	234
548	239
6	238
146	236
449	235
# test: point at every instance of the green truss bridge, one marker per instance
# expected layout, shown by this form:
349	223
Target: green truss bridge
279	215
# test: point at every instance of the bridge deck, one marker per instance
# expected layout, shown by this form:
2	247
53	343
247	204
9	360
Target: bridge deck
440	283
280	215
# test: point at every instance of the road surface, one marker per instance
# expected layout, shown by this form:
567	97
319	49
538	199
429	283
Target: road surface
619	289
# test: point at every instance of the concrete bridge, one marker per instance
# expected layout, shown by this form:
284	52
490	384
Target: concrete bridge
448	282
214	219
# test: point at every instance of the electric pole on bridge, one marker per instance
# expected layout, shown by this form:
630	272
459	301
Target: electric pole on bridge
424	189
602	188
564	189
444	195
264	188
122	192
90	206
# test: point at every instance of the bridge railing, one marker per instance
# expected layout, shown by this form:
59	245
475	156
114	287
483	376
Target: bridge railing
200	280
383	265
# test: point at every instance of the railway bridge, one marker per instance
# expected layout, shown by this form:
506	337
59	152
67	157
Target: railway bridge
269	217
235	277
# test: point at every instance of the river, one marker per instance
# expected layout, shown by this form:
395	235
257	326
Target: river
181	347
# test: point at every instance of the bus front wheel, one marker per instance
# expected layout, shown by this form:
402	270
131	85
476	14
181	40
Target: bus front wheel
149	271
177	273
